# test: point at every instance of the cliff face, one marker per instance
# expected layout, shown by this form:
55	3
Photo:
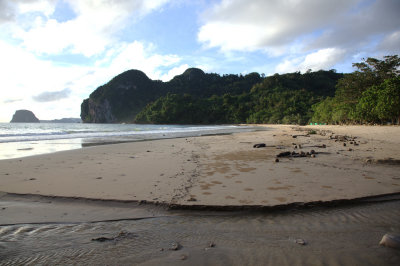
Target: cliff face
100	112
24	116
122	98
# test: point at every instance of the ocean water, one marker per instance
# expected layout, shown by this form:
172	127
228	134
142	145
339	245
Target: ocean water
27	139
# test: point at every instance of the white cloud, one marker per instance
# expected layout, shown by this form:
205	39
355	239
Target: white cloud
10	9
267	25
137	55
322	59
89	33
279	27
174	72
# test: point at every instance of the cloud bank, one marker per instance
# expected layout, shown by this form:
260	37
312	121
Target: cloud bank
51	96
305	29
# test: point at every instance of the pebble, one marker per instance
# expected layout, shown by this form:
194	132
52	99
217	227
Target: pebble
277	160
175	246
313	155
390	241
300	241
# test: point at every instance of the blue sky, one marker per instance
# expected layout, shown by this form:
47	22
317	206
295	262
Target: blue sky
54	53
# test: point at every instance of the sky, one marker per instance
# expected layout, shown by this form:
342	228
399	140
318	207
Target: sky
54	53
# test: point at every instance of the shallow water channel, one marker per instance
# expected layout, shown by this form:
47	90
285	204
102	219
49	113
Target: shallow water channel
333	236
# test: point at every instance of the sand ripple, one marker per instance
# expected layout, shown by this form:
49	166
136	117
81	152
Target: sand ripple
335	236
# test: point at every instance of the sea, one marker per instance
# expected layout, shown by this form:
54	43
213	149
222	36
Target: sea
28	139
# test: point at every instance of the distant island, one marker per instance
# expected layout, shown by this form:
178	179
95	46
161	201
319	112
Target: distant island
24	116
63	120
369	95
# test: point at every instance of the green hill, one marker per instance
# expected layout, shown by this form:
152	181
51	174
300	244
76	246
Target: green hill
122	98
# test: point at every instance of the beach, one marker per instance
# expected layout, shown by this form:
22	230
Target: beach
316	167
219	170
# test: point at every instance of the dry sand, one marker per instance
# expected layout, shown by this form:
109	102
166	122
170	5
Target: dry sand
219	170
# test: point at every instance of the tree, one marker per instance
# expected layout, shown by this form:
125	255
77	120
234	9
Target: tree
388	105
367	105
371	72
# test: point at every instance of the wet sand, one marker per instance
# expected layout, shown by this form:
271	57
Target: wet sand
347	235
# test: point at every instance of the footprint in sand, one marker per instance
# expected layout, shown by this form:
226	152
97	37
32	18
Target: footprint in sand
281	199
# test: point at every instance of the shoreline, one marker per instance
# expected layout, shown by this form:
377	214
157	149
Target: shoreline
28	148
220	172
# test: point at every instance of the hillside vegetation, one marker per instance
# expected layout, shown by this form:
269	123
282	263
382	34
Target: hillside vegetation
368	95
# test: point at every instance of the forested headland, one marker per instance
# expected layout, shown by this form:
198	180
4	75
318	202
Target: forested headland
370	94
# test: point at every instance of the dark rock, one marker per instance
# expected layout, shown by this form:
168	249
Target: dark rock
102	239
344	144
259	145
284	154
312	152
24	116
277	160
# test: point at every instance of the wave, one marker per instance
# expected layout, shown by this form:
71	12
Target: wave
85	131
